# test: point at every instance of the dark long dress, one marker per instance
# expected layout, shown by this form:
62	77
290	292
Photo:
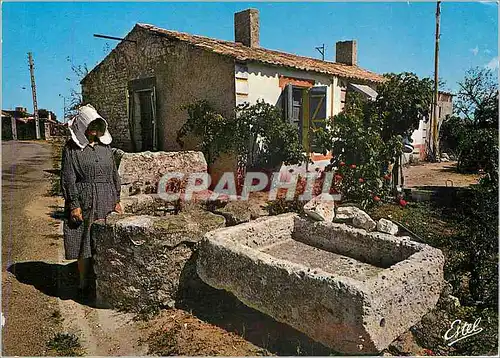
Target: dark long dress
90	181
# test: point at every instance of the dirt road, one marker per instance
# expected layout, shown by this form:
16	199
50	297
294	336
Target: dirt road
27	241
437	174
39	290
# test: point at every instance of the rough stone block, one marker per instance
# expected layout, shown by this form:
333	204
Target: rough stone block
141	172
241	211
387	226
152	204
346	213
351	290
321	208
363	221
140	261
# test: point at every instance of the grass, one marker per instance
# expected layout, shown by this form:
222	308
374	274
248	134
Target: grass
431	223
65	345
442	227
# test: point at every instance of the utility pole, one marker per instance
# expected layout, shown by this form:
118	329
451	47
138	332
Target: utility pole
33	89
435	113
64	107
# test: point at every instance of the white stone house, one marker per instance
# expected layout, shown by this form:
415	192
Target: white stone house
420	137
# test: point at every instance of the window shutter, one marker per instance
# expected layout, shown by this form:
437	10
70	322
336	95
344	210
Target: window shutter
288	103
317	106
130	112
317	109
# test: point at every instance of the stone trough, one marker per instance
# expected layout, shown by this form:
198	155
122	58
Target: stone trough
352	290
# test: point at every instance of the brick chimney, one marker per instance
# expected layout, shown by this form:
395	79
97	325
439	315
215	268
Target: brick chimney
346	52
246	27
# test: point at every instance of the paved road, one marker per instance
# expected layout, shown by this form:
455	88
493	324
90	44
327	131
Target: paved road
27	244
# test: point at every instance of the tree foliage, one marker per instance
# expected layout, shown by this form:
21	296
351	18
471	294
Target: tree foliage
472	133
212	131
477	100
273	141
369	134
402	101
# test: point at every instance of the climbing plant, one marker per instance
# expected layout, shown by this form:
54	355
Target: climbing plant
212	131
256	133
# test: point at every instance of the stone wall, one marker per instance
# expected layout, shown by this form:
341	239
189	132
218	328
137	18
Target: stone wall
141	261
140	173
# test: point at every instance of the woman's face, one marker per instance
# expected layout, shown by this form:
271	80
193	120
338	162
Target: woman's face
95	129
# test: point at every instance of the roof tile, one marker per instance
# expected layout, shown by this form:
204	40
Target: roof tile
243	53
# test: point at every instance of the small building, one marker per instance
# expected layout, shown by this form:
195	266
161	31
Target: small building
421	136
142	84
18	124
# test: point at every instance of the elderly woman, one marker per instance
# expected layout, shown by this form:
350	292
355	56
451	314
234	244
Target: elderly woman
90	186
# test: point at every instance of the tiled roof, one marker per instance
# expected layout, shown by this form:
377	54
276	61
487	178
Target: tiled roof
243	53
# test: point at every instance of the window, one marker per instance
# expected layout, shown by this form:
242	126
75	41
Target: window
306	109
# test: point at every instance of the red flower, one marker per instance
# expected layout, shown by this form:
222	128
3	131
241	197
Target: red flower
361	180
402	202
387	177
341	164
338	177
376	198
428	352
353	166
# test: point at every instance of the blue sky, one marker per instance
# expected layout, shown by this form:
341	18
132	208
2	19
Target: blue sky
392	37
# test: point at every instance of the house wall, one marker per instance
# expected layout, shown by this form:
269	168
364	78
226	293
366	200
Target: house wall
419	136
263	82
183	74
7	128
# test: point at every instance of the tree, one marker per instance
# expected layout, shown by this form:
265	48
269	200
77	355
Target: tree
212	131
43	113
472	133
267	141
402	101
477	100
369	134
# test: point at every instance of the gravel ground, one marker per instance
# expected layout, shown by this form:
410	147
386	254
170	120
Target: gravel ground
27	229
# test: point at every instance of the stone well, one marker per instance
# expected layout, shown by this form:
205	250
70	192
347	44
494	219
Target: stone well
351	290
141	261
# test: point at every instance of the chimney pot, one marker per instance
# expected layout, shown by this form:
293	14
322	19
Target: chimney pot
346	52
246	27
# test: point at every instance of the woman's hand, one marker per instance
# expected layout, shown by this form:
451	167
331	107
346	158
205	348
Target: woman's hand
76	215
118	208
